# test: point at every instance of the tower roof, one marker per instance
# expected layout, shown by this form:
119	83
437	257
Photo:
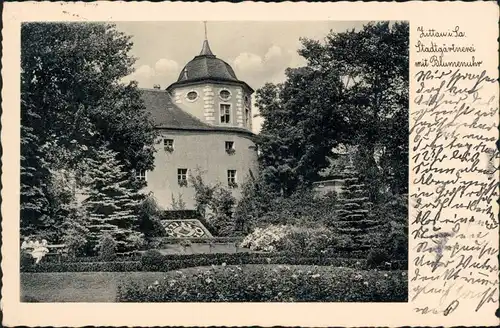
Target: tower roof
207	67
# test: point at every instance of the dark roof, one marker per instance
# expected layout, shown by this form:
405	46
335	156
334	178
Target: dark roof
166	114
207	67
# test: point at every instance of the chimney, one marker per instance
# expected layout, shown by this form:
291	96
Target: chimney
156	86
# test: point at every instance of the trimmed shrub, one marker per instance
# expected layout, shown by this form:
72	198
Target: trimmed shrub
377	257
155	261
271	284
179	215
107	248
26	260
128	266
155	243
149	216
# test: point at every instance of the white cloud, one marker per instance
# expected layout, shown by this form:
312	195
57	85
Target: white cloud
248	62
166	66
164	72
273	53
144	70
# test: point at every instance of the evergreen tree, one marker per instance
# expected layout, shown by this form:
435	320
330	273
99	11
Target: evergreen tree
111	203
35	217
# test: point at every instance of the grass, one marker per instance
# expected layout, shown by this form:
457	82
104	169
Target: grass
103	286
79	286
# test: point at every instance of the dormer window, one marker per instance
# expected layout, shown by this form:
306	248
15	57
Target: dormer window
225	95
168	145
225	113
192	96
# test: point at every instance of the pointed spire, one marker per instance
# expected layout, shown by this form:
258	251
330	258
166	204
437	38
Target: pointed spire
205	50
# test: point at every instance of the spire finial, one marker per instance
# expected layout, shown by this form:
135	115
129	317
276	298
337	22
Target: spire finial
205	50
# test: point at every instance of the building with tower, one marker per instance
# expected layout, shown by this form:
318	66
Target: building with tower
204	120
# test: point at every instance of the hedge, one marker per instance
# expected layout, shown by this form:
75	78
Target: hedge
158	242
65	259
127	266
154	261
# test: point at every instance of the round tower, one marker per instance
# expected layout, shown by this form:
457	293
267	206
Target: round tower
208	89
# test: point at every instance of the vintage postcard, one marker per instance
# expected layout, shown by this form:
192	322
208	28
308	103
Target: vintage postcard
218	164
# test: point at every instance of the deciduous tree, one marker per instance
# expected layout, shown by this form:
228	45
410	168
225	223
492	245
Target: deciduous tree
353	90
72	102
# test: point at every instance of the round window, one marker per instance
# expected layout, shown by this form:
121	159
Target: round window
225	94
192	95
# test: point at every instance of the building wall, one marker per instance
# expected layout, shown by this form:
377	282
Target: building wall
206	106
199	150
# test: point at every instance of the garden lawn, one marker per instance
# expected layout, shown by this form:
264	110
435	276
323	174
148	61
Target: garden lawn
79	286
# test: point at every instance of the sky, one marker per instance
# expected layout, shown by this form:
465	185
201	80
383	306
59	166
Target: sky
258	52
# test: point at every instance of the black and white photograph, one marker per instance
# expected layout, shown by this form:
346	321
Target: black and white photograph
214	161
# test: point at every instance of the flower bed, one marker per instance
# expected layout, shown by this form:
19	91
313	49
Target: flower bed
271	283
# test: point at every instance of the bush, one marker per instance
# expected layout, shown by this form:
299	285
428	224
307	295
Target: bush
271	284
26	260
259	206
297	240
215	204
377	257
149	216
153	261
318	241
155	243
265	239
107	248
126	266
179	215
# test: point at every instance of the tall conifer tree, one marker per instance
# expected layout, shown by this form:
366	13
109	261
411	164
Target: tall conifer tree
111	202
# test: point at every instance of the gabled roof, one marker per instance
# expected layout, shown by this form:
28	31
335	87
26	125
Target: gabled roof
165	114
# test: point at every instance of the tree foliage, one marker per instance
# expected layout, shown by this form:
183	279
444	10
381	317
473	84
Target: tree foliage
215	204
353	90
111	203
72	102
